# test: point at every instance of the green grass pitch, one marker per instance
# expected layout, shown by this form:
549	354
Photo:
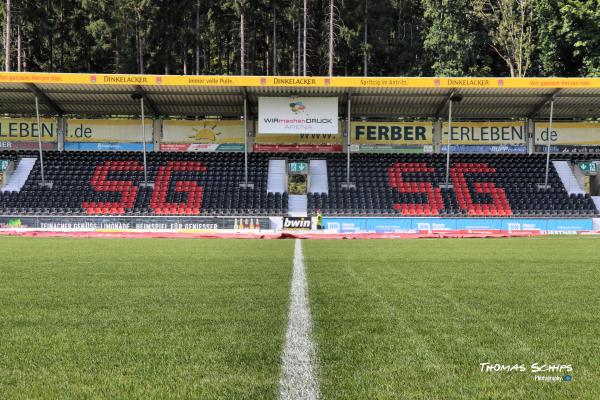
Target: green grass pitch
414	319
142	319
206	319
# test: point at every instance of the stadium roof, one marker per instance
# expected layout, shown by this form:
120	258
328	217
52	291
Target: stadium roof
401	97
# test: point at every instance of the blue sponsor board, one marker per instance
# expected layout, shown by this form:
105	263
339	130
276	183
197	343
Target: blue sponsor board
107	146
568	225
413	225
539	148
346	225
476	148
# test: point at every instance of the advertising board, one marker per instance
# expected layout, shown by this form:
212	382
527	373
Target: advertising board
296	115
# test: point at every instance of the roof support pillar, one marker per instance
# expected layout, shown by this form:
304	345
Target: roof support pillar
62	132
546	185
348	184
530	132
138	96
437	136
455	98
43	183
246	184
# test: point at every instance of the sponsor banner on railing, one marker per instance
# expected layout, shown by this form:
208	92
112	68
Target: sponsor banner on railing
486	133
196	147
392	133
106	146
567	149
413	225
27	145
466	148
568	133
294	115
306	138
300	148
128	223
391	148
204	131
107	130
27	130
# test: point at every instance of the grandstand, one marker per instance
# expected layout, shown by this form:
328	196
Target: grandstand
86	157
108	183
342	181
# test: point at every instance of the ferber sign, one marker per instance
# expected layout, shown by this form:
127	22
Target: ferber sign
395	133
280	115
27	130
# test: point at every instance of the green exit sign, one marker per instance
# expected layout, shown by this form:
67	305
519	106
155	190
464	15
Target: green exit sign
3	165
589	167
298	167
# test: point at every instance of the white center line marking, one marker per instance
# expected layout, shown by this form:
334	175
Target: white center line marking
298	361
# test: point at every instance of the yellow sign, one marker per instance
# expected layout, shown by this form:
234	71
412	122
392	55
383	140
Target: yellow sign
486	133
569	133
295	81
397	133
27	130
107	130
204	131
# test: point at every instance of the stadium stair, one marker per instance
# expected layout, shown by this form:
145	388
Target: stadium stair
317	171
276	180
18	178
566	175
297	205
596	200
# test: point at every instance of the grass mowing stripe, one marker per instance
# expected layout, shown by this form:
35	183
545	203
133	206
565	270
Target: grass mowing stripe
142	319
414	319
298	362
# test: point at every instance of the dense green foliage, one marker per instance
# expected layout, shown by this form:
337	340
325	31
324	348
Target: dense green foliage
414	319
403	37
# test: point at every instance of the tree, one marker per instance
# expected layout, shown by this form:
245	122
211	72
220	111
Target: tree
451	37
581	26
510	25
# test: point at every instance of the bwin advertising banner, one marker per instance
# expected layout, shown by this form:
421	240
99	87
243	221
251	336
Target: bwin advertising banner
296	115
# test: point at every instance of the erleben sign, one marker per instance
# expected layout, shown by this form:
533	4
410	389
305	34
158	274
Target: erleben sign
297	115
